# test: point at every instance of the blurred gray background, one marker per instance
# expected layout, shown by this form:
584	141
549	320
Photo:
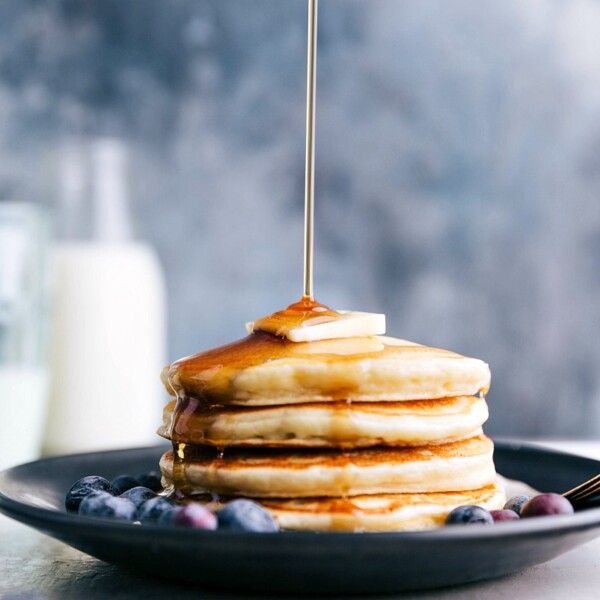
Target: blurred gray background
457	180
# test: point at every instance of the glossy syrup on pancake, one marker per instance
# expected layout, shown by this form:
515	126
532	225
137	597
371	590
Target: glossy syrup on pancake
264	369
207	375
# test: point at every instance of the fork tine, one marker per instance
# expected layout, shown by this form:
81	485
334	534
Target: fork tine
584	497
582	486
583	489
587	493
590	489
590	481
582	494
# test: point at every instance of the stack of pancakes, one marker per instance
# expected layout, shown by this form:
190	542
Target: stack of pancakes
353	434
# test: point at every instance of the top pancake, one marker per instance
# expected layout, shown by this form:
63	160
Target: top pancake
264	370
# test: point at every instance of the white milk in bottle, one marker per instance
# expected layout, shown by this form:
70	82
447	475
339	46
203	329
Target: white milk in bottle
108	335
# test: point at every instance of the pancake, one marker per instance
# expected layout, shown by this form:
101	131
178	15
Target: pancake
264	473
385	512
264	370
326	425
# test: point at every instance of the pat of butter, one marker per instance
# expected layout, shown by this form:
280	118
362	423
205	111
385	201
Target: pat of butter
344	324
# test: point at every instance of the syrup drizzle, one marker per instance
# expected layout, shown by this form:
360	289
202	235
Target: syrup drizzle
309	179
306	312
210	376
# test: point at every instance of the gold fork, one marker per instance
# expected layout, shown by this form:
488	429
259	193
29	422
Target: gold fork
584	491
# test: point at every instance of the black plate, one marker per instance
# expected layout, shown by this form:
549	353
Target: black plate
294	562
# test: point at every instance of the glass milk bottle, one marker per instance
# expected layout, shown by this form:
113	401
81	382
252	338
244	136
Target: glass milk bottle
108	334
24	300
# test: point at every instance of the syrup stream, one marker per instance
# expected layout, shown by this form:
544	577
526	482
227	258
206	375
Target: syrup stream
309	175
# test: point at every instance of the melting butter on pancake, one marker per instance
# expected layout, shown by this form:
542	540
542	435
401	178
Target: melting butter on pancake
325	324
263	473
384	512
264	370
333	424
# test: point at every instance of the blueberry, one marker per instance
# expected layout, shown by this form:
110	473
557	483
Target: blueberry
103	504
150	480
469	515
138	495
195	516
167	517
547	504
504	515
151	510
516	503
84	487
124	482
246	515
